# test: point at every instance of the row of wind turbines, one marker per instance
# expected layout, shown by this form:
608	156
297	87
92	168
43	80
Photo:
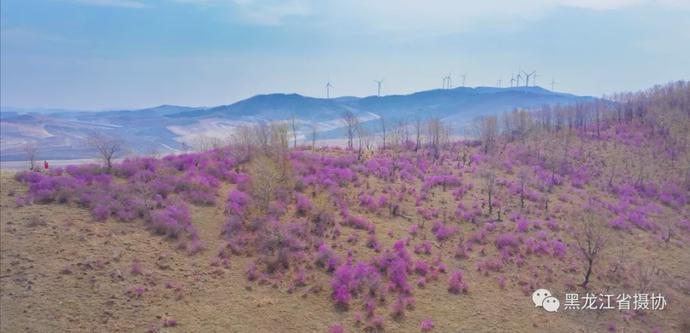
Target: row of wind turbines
515	80
448	82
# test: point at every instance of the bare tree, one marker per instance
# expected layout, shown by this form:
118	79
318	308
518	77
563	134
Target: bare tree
544	116
31	151
465	153
108	147
314	134
279	146
293	127
203	142
590	241
278	133
487	131
597	109
266	179
523	179
418	132
646	277
489	180
435	131
404	130
398	135
612	169
241	140
383	131
363	139
395	137
262	137
351	123
640	171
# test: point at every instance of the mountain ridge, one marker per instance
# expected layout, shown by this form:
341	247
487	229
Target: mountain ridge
170	128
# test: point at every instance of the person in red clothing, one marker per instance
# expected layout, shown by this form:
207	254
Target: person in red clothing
45	165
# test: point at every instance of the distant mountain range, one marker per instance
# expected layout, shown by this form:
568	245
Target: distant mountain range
60	133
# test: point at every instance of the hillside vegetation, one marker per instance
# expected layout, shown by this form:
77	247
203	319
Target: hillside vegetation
421	233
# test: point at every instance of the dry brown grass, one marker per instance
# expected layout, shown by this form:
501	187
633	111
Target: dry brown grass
37	296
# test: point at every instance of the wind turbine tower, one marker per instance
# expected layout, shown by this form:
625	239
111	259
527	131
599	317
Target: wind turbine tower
447	82
553	84
518	79
464	76
328	89
378	83
527	76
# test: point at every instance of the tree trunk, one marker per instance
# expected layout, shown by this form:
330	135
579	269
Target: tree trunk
589	272
490	206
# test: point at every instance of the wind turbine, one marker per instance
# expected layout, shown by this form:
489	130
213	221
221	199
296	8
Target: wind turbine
553	83
328	89
518	79
445	79
534	81
499	83
378	83
512	79
450	81
527	76
464	76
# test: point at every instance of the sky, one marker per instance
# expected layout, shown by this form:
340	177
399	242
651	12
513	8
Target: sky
116	54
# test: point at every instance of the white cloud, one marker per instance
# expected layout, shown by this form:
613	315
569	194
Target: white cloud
440	16
259	12
271	12
449	16
601	4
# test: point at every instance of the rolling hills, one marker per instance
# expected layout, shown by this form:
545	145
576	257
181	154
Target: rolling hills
60	134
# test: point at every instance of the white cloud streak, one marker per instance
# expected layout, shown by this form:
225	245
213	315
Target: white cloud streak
441	16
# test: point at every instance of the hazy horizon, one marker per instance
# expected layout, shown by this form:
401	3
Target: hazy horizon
51	109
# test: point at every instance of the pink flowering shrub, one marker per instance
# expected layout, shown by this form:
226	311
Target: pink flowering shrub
349	280
303	205
673	195
336	328
171	220
442	231
238	203
444	181
456	283
522	225
357	222
508	241
423	247
421	267
414	229
427	325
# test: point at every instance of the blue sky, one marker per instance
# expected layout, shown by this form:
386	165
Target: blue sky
108	54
